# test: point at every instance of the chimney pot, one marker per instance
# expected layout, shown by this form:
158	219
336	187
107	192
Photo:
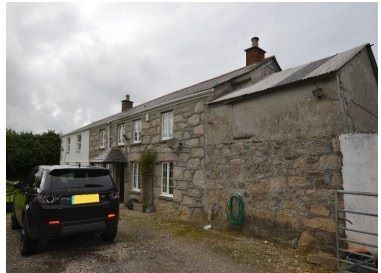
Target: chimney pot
254	53
254	41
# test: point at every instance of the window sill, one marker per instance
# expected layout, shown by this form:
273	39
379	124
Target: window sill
134	191
166	197
120	144
136	143
102	148
164	140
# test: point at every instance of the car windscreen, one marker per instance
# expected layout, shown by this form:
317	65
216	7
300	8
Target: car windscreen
80	178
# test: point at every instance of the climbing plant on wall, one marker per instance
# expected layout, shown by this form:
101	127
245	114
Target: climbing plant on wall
147	165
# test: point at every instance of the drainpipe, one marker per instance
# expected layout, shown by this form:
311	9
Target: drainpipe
108	135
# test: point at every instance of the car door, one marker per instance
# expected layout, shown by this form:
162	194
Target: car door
21	194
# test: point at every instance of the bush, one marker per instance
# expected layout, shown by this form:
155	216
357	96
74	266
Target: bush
10	191
26	150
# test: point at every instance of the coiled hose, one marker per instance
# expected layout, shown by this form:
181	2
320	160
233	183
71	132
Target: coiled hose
235	222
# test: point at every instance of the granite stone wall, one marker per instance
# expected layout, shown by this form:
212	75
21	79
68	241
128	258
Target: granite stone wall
288	187
186	150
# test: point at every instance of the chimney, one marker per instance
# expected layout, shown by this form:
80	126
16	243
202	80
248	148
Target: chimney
254	53
127	104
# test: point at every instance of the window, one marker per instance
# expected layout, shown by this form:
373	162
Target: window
102	138
120	134
167	125
167	179
79	140
137	130
68	144
135	176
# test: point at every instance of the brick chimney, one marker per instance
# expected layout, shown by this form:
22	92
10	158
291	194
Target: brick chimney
254	53
127	104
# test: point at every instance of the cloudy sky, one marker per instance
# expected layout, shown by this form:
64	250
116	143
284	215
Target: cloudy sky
71	64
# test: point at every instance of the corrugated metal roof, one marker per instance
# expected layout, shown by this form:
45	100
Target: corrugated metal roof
182	93
296	74
113	155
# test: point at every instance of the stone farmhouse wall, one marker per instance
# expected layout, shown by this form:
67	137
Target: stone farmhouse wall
189	119
279	150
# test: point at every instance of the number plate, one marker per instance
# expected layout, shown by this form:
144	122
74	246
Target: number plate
84	199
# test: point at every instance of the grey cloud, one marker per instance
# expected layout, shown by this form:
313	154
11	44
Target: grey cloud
70	64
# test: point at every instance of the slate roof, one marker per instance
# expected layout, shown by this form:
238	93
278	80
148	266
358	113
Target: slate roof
113	155
182	93
295	74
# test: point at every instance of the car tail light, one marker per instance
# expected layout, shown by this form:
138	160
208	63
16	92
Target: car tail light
53	222
111	215
48	199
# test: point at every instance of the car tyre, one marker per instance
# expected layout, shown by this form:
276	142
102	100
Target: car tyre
14	223
109	235
27	245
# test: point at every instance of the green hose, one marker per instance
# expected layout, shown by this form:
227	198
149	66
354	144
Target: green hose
235	222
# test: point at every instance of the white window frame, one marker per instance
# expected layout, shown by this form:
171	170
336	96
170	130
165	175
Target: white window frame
121	130
79	142
102	138
167	125
166	178
68	144
135	177
137	128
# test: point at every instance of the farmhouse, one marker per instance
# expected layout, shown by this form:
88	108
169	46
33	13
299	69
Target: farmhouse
269	134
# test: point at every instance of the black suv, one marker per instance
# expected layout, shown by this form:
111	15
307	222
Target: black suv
64	200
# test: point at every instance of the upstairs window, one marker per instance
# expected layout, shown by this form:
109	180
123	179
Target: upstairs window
135	176
79	142
102	138
121	134
137	130
167	179
68	144
167	125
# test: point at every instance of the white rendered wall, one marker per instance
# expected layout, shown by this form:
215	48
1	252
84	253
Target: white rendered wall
360	174
73	157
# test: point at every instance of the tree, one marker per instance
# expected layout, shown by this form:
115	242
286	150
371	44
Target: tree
26	150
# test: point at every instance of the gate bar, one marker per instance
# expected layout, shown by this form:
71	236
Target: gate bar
358	212
354	242
359	231
357	253
358	193
360	264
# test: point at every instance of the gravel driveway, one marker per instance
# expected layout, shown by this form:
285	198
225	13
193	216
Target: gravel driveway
148	243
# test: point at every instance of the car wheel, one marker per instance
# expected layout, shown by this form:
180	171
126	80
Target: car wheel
14	223
109	235
27	245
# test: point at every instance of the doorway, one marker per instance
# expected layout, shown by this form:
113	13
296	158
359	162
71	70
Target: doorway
119	180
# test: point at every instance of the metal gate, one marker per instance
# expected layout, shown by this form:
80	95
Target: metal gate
347	259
